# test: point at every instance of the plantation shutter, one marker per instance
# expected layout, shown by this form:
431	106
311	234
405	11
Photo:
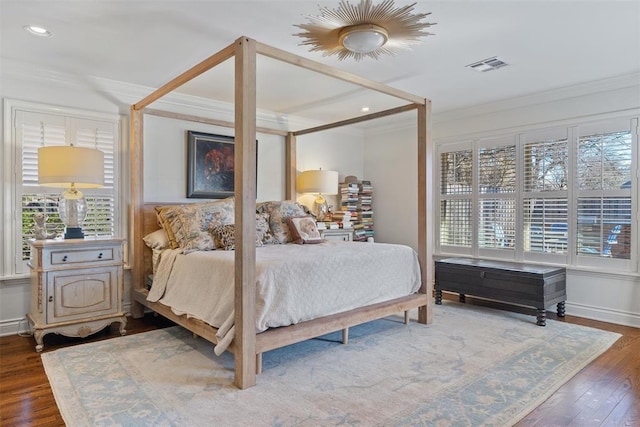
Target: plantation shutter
455	198
545	197
604	193
496	197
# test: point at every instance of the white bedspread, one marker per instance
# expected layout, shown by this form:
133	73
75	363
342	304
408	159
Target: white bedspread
294	282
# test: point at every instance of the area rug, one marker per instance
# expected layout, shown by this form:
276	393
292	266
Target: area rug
472	367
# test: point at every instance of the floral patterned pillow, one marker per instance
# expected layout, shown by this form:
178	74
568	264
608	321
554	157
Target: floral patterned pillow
279	213
263	230
168	220
187	225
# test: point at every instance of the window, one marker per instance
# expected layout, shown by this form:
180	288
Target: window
496	197
562	195
604	193
34	126
545	192
455	198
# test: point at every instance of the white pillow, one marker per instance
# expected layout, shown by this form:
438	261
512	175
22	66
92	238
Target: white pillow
157	240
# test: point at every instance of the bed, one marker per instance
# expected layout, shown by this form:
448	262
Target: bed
250	337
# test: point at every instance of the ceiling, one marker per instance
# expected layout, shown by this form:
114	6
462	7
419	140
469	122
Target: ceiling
547	44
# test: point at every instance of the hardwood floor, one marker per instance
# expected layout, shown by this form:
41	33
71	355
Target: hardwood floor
605	393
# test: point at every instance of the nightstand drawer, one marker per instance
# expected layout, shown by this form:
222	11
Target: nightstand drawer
82	256
337	234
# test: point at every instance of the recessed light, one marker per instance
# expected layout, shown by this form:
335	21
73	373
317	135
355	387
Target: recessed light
365	109
38	31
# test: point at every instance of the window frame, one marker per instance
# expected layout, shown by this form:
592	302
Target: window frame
573	131
12	263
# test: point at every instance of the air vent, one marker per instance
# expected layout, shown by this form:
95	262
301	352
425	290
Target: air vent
488	64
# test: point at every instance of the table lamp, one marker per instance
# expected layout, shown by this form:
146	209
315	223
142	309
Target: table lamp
71	167
321	182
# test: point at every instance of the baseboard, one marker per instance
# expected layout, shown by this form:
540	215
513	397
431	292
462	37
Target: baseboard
604	314
579	310
14	327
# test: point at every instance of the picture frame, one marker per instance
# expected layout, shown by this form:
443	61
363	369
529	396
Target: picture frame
210	165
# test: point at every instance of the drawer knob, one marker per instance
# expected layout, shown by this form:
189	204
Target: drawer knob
51	298
64	258
100	255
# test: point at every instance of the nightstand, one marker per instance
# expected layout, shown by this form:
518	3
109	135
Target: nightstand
345	234
77	287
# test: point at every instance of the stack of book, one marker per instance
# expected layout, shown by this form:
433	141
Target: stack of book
356	212
365	200
343	218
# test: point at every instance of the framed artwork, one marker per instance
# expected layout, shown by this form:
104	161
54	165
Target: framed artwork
210	165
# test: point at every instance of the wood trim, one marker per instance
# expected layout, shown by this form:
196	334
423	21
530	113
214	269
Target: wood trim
136	216
198	119
336	73
359	119
245	207
280	337
290	167
190	74
425	255
196	326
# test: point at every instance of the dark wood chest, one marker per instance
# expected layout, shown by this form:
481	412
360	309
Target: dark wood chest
526	284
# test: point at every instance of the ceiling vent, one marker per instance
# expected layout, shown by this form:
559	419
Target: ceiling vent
488	64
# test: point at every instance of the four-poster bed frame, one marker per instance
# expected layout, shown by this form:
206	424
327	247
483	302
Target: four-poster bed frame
248	346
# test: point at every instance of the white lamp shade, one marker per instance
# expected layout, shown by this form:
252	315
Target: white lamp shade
318	181
61	166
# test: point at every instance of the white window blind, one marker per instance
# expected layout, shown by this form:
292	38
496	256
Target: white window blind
497	169
545	225
456	186
496	197
456	172
497	223
545	203
455	223
34	130
604	193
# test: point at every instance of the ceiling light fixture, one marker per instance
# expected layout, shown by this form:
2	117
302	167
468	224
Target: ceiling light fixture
38	31
358	31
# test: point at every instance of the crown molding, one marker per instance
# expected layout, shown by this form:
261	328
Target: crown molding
544	97
124	94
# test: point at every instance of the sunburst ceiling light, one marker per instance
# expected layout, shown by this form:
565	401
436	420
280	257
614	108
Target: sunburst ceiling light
364	29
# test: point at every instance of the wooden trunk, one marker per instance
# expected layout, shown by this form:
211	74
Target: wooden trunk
530	285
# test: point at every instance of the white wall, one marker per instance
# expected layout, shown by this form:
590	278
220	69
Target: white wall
165	152
390	154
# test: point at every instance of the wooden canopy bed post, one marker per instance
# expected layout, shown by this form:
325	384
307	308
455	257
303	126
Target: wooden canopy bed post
291	166
136	214
248	346
425	314
245	218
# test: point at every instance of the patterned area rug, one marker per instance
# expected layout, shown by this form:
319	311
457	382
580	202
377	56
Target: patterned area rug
473	366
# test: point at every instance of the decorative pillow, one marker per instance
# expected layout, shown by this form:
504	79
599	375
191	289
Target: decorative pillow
187	226
168	220
226	235
265	235
304	230
157	240
279	212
